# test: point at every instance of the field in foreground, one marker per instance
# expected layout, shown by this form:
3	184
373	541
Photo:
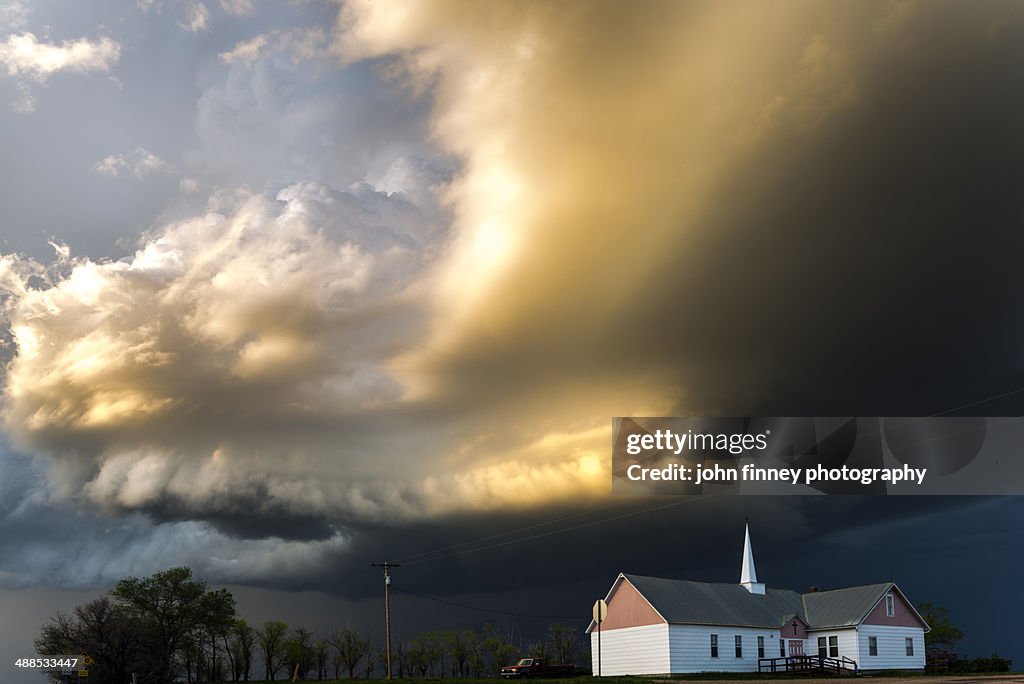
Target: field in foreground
719	678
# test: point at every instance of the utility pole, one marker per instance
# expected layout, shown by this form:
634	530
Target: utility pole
387	606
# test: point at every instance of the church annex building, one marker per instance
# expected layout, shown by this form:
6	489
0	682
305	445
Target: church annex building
668	626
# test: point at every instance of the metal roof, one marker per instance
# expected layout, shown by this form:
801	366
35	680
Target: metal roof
716	604
708	603
842	607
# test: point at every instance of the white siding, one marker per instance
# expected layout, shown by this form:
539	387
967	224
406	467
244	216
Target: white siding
690	647
632	650
679	649
848	643
892	648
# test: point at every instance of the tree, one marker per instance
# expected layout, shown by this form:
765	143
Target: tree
113	638
498	646
428	650
271	641
322	650
401	663
191	656
563	642
217	616
461	646
351	648
943	634
173	607
300	652
540	649
241	646
476	664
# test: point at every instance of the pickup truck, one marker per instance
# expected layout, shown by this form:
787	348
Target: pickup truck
536	667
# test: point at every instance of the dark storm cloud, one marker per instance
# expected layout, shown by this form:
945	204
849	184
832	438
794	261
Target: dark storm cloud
879	259
854	253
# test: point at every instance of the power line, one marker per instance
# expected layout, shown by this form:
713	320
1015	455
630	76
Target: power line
978	402
932	439
681	502
448	549
487	610
949	410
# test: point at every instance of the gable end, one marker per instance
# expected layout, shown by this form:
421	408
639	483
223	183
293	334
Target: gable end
627	607
904	613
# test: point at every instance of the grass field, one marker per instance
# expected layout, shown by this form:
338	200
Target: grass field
879	678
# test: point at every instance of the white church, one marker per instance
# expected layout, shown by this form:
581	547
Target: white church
657	626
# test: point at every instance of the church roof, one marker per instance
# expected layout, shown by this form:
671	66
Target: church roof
842	607
709	603
715	604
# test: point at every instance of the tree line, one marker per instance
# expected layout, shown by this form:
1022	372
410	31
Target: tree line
172	627
941	643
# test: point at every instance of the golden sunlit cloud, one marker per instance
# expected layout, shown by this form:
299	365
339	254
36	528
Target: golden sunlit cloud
593	137
239	362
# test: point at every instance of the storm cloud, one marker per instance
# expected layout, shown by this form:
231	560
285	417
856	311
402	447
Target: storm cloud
760	188
334	354
387	270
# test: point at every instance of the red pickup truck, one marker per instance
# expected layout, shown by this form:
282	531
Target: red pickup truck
536	667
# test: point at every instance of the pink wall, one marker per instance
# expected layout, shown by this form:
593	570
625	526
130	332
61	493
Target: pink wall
903	617
788	631
627	608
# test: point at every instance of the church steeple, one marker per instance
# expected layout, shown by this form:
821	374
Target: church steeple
748	575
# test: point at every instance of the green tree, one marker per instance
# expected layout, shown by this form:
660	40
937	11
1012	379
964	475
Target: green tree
174	607
541	649
301	655
241	644
351	648
271	640
217	618
498	646
103	630
323	651
943	634
477	657
401	663
461	645
430	649
564	643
